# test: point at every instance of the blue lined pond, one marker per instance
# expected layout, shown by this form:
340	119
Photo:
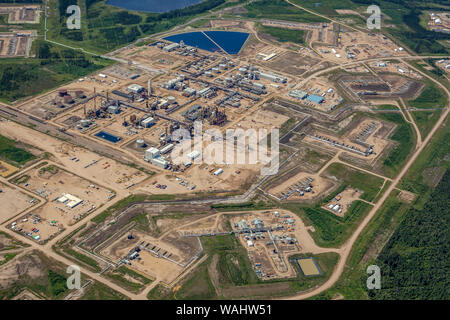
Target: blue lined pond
231	42
108	136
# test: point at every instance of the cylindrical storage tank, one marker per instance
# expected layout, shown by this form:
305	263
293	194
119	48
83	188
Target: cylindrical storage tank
140	143
68	98
85	123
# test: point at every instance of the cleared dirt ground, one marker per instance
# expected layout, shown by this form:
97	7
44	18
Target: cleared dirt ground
13	201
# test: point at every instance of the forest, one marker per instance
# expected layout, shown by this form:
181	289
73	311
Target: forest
415	261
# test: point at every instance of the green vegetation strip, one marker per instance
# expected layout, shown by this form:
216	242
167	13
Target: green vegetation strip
285	35
9	151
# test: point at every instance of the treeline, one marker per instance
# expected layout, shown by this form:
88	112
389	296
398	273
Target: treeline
188	11
11	77
63	5
415	262
48	55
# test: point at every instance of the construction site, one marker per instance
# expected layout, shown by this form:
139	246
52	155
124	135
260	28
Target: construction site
342	202
16	43
28	14
439	22
382	86
301	186
395	67
14	202
59	208
352	45
318	93
6	169
367	140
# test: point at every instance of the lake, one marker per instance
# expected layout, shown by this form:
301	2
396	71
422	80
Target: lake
157	6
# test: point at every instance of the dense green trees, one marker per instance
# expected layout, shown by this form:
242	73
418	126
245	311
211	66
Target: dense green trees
415	262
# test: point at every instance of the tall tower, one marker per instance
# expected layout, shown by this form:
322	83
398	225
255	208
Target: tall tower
149	90
95	100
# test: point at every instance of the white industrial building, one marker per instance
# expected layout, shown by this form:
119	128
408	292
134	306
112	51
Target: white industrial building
204	92
148	122
271	77
188	92
69	200
151	153
160	162
193	155
167	148
298	94
171	47
135	88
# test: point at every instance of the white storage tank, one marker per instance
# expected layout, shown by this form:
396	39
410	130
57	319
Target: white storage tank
140	143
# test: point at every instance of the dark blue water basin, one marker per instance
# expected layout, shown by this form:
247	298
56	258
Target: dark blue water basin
108	136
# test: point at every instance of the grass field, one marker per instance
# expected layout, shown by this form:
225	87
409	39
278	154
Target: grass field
404	136
119	276
331	230
435	155
99	291
431	97
160	292
119	206
10	153
279	9
285	35
368	183
327	7
50	282
53	66
88	261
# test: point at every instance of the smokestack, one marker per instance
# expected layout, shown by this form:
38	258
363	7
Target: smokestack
95	100
149	90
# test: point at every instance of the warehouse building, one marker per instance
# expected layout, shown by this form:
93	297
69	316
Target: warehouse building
151	153
160	162
69	200
298	94
167	148
135	88
271	77
171	47
148	122
315	98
